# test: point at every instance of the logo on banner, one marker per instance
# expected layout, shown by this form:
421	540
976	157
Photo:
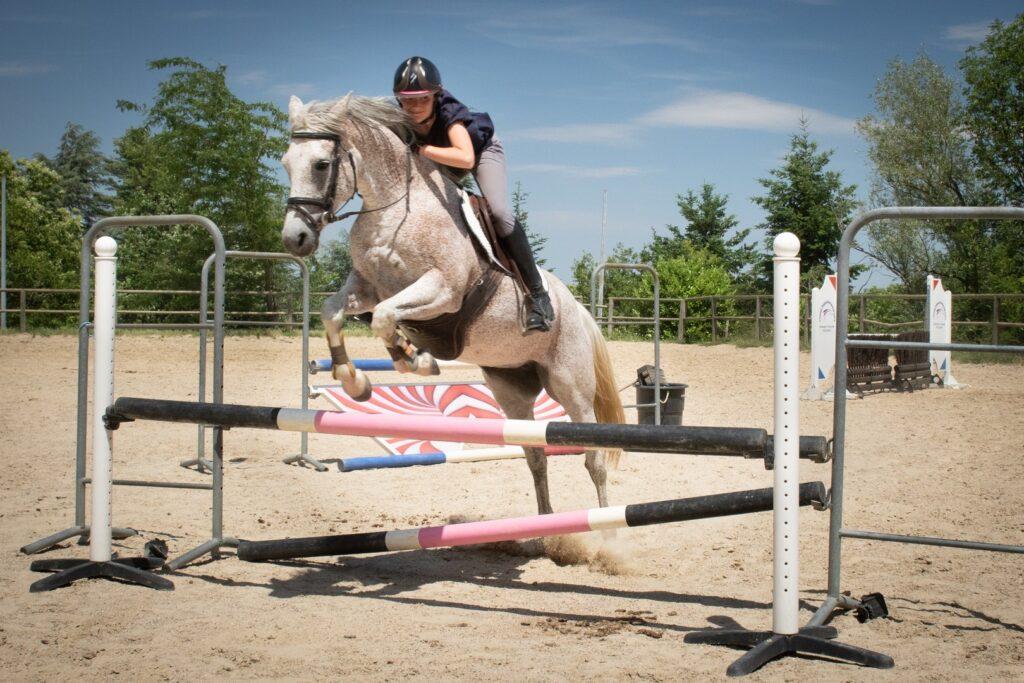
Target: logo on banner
827	317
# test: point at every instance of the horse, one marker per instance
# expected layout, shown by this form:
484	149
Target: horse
415	264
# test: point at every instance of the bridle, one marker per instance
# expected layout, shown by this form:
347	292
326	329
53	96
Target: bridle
325	204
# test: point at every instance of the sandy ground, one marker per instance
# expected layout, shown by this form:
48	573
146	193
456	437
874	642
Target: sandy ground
942	463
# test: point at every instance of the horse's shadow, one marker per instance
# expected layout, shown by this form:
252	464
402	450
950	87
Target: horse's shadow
399	578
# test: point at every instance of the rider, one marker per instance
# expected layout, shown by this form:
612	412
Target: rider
450	134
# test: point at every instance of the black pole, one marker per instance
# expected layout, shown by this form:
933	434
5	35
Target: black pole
225	415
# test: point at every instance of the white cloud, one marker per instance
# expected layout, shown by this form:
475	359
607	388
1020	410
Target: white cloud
580	171
968	33
586	133
718	109
556	221
288	89
18	69
220	14
254	77
690	76
574	27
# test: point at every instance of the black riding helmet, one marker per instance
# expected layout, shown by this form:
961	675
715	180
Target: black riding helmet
417	76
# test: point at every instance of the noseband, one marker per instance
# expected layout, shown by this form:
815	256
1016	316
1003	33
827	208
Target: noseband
326	204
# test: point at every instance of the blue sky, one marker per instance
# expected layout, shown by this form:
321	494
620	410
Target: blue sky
643	99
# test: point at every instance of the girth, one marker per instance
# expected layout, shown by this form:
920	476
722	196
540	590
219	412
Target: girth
445	336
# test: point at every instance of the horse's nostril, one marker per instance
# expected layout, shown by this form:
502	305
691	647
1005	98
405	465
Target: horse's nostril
302	239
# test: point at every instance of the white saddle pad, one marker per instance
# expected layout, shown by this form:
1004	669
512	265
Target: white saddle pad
475	229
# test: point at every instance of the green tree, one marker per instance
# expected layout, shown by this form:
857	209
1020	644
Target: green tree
200	149
616	282
921	156
690	272
43	236
994	91
695	272
330	266
994	75
805	198
84	173
537	241
707	224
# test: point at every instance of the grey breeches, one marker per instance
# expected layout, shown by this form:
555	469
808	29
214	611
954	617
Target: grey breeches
492	178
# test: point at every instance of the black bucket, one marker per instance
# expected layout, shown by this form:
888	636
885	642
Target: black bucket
672	398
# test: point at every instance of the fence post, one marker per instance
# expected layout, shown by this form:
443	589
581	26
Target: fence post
862	316
609	327
808	320
290	309
714	320
757	317
22	306
681	332
995	320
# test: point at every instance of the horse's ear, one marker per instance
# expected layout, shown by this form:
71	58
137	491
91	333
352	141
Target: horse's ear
294	109
341	106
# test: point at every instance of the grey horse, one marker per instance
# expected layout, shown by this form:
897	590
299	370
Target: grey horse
414	260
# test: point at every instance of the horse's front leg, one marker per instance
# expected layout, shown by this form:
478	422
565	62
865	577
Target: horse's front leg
355	297
428	297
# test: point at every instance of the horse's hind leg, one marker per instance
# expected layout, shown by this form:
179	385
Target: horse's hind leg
426	298
571	383
408	358
516	389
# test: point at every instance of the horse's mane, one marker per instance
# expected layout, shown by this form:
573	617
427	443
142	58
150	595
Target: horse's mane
372	112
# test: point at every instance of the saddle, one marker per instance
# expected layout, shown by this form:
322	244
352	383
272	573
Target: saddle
482	212
445	336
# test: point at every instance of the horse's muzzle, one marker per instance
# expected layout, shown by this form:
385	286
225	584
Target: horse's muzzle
298	238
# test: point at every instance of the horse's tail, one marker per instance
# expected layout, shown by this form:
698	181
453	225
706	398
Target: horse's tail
607	406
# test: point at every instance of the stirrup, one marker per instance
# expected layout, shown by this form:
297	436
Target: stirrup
539	313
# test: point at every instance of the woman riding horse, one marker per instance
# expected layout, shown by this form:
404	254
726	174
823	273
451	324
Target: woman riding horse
414	263
450	134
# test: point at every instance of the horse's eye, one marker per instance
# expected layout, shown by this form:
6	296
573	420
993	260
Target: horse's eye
322	165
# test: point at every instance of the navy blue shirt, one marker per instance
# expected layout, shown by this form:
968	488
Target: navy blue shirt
449	110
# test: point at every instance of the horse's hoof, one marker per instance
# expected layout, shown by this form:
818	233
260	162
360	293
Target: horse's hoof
364	395
425	365
356	384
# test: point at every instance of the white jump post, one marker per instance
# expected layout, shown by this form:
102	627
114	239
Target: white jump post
786	636
102	396
102	562
786	306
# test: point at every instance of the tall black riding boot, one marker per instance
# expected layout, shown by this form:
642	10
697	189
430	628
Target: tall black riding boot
539	313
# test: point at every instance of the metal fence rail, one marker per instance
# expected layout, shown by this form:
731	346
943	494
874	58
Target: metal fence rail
713	311
610	315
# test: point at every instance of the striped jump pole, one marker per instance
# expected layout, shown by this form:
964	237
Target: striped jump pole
439	458
520	528
377	365
727	441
